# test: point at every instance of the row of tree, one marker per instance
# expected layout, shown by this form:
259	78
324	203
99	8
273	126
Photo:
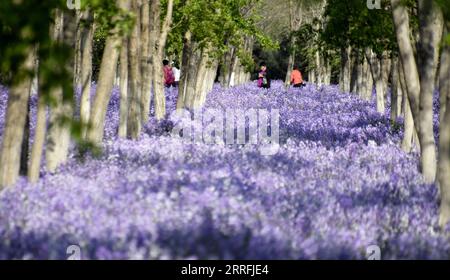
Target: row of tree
55	45
402	46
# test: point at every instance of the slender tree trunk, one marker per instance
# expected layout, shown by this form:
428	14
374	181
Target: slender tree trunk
61	114
160	98
394	89
134	99
39	138
319	70
431	24
14	125
444	81
25	151
345	70
123	89
444	138
105	82
355	74
408	60
376	69
386	70
145	62
87	37
182	88
409	121
78	49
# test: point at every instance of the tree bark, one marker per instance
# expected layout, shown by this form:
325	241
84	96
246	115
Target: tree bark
61	114
408	60
160	98
431	24
134	119
15	123
105	82
377	75
408	134
145	60
87	37
394	89
184	79
345	77
39	139
444	138
123	89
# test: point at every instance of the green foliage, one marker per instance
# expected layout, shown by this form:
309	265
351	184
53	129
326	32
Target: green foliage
350	22
217	24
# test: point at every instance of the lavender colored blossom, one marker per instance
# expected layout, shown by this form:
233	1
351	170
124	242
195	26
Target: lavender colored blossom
338	184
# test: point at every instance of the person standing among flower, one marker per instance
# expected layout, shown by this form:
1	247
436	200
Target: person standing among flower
176	73
263	79
296	78
169	78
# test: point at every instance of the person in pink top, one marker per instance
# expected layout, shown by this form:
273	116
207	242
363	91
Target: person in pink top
169	77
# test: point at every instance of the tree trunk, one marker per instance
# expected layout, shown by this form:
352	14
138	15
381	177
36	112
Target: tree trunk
444	139
184	79
87	37
345	78
15	123
377	75
160	98
408	60
39	137
394	89
386	71
355	73
409	121
146	46
134	119
105	82
61	114
431	24
319	70
77	81
123	89
367	81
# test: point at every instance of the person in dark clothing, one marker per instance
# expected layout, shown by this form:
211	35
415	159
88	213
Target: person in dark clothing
263	77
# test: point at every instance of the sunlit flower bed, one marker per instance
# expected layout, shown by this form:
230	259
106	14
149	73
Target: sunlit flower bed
338	184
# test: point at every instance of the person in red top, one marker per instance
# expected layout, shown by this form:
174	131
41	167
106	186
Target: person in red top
296	78
169	77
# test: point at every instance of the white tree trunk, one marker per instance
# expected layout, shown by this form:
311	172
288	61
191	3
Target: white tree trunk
87	36
394	89
14	124
39	139
431	25
408	117
345	77
105	82
134	119
444	139
123	114
147	49
59	131
377	75
408	60
160	98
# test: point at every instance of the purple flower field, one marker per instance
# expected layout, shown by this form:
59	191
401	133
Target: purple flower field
338	184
